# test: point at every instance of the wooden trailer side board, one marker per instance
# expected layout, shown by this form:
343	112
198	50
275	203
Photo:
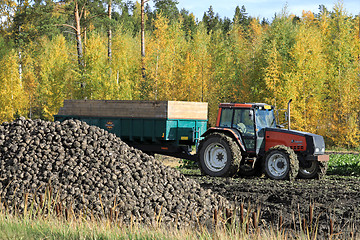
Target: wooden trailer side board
135	109
187	110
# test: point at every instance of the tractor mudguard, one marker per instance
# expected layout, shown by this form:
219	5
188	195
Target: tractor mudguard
235	134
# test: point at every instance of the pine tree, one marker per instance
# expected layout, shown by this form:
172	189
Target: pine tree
211	20
167	8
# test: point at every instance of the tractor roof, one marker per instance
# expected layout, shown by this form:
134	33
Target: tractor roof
245	105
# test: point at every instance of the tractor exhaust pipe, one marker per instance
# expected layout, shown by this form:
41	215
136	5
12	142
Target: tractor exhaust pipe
288	113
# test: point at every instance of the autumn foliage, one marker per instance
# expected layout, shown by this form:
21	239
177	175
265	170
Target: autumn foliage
312	59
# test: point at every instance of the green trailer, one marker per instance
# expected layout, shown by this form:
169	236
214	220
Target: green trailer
165	127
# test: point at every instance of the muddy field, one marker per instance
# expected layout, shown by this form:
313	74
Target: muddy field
335	199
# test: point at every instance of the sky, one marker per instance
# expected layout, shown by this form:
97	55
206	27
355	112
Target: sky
263	8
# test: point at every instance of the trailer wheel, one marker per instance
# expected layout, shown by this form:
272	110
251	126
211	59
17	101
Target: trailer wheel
219	155
310	172
281	163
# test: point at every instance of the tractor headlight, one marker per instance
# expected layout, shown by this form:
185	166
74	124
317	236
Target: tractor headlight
317	150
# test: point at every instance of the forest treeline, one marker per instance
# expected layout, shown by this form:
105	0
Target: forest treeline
56	50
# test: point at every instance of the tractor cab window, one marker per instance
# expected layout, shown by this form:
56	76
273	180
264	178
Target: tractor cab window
226	117
264	118
244	121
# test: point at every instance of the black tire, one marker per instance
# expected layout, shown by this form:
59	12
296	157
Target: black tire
219	155
281	163
249	171
309	172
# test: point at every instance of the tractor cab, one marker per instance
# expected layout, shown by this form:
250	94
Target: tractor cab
248	120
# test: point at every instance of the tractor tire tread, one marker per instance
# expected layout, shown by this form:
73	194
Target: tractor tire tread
323	166
294	162
234	149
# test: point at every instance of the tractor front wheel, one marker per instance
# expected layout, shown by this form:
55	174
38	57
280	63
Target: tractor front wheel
219	156
315	170
309	172
281	163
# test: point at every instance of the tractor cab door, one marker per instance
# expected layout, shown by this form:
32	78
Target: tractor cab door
265	118
244	121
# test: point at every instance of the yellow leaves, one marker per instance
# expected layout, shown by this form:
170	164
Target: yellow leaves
54	74
12	95
126	66
164	55
306	79
161	25
256	27
308	16
312	61
273	75
256	31
200	50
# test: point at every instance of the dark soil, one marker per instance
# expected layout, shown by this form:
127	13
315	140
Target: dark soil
334	199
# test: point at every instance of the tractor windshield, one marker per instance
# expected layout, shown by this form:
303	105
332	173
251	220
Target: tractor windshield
265	118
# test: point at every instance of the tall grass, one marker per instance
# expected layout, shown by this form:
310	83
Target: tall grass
12	227
240	224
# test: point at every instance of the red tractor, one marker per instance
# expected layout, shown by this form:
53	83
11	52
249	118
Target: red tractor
246	140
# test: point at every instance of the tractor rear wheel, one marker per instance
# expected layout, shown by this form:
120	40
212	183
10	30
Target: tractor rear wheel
219	155
281	163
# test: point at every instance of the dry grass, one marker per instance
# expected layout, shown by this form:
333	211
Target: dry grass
12	227
168	161
48	224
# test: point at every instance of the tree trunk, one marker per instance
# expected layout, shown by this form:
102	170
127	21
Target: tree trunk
20	66
85	39
142	28
143	38
109	32
78	36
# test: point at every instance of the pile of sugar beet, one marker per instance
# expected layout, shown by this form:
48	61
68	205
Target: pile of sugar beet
93	171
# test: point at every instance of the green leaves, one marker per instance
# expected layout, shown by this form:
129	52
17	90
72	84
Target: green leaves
344	164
